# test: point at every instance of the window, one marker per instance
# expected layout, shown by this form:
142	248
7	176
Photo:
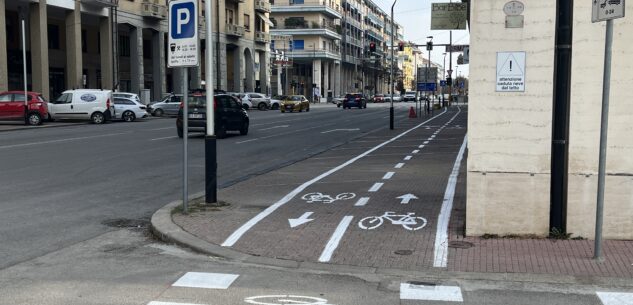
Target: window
53	37
84	41
147	49
20	97
65	98
229	16
247	22
5	98
296	1
298	45
225	102
124	46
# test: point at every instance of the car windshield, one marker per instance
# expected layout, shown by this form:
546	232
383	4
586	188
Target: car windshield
197	101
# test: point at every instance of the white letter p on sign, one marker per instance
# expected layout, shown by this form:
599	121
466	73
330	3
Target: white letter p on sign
183	18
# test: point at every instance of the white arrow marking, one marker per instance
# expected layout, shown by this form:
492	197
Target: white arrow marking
406	198
295	222
333	130
280	126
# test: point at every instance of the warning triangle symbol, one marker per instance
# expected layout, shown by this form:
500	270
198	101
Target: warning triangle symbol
510	67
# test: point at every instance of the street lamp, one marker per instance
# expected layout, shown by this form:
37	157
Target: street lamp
391	74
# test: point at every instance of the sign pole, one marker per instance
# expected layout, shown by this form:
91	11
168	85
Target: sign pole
26	103
185	130
210	140
604	126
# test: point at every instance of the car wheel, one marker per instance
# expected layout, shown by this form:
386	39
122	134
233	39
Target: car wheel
50	118
34	119
274	107
158	112
262	106
97	118
221	132
244	129
180	133
308	109
338	105
128	116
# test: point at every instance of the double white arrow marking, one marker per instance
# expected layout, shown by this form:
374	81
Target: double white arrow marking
406	198
295	222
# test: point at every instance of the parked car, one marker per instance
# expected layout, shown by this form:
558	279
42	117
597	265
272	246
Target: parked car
12	107
378	98
167	106
397	98
275	101
254	100
354	100
83	104
128	109
129	95
294	103
409	96
229	115
338	101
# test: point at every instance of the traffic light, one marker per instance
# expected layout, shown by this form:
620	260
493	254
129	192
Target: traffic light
401	46
372	47
429	46
449	81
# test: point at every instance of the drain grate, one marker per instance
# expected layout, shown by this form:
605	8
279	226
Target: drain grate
126	223
460	244
403	252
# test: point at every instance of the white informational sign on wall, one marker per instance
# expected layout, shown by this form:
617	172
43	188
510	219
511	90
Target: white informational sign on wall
510	71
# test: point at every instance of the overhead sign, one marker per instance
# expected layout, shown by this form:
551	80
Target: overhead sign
607	9
183	34
510	71
427	87
442	83
448	16
456	48
430	77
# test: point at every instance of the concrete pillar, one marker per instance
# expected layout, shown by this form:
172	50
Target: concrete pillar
237	70
74	56
105	33
39	48
4	71
221	81
263	72
158	64
326	80
316	75
337	80
177	75
195	73
248	73
137	78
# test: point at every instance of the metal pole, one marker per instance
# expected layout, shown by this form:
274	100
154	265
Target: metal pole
606	88
391	74
415	55
426	81
24	64
210	148
185	130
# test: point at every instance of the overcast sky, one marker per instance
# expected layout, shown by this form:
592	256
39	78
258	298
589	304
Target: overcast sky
415	17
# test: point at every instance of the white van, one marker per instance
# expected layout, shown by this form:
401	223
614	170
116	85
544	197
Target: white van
83	104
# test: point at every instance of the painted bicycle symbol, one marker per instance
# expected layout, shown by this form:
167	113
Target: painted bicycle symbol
285	300
320	197
408	221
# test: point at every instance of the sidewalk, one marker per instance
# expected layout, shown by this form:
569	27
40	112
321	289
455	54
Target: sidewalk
388	248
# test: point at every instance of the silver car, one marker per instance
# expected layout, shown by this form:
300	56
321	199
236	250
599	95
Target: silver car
168	106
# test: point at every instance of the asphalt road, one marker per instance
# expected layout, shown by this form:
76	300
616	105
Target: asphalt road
58	186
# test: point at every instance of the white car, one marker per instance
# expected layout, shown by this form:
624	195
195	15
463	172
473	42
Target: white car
83	104
128	109
254	100
132	96
275	101
409	96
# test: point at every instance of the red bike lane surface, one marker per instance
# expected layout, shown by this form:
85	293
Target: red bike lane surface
327	213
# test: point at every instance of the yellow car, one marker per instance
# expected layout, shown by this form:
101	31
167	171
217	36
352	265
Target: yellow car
293	103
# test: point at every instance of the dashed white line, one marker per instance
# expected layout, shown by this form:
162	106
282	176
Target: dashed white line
332	244
162	128
362	201
421	146
388	175
376	187
425	142
64	140
407	158
163	138
399	165
416	151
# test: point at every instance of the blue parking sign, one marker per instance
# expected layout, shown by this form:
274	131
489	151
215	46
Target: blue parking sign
183	42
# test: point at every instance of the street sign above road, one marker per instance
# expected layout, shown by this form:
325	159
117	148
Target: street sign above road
427	86
183	40
449	16
604	10
456	48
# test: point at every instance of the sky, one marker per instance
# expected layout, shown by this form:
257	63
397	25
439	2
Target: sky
415	17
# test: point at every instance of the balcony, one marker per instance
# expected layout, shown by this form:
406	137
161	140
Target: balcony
101	3
326	7
374	35
234	30
152	9
354	41
353	22
298	26
262	37
262	6
310	54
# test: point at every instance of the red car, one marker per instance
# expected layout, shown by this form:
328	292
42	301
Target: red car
12	107
378	98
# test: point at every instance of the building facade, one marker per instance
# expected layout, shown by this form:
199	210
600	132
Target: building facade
510	134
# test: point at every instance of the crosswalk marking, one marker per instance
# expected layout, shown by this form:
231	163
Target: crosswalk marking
615	298
430	293
206	280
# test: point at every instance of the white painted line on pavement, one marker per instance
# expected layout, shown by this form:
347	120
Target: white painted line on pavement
274	127
388	175
283	134
376	187
206	280
441	236
425	142
421	146
169	303
430	293
399	165
615	298
416	151
326	256
64	140
235	236
162	128
164	138
407	158
362	201
433	137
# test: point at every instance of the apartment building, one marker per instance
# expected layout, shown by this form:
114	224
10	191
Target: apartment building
121	45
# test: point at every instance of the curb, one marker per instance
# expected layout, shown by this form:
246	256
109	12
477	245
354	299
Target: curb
166	230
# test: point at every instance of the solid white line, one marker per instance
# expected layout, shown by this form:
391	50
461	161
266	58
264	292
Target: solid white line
235	236
388	175
283	134
274	127
326	256
376	187
430	293
441	236
162	128
362	201
63	140
206	280
407	158
333	130
163	138
415	151
615	298
399	165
